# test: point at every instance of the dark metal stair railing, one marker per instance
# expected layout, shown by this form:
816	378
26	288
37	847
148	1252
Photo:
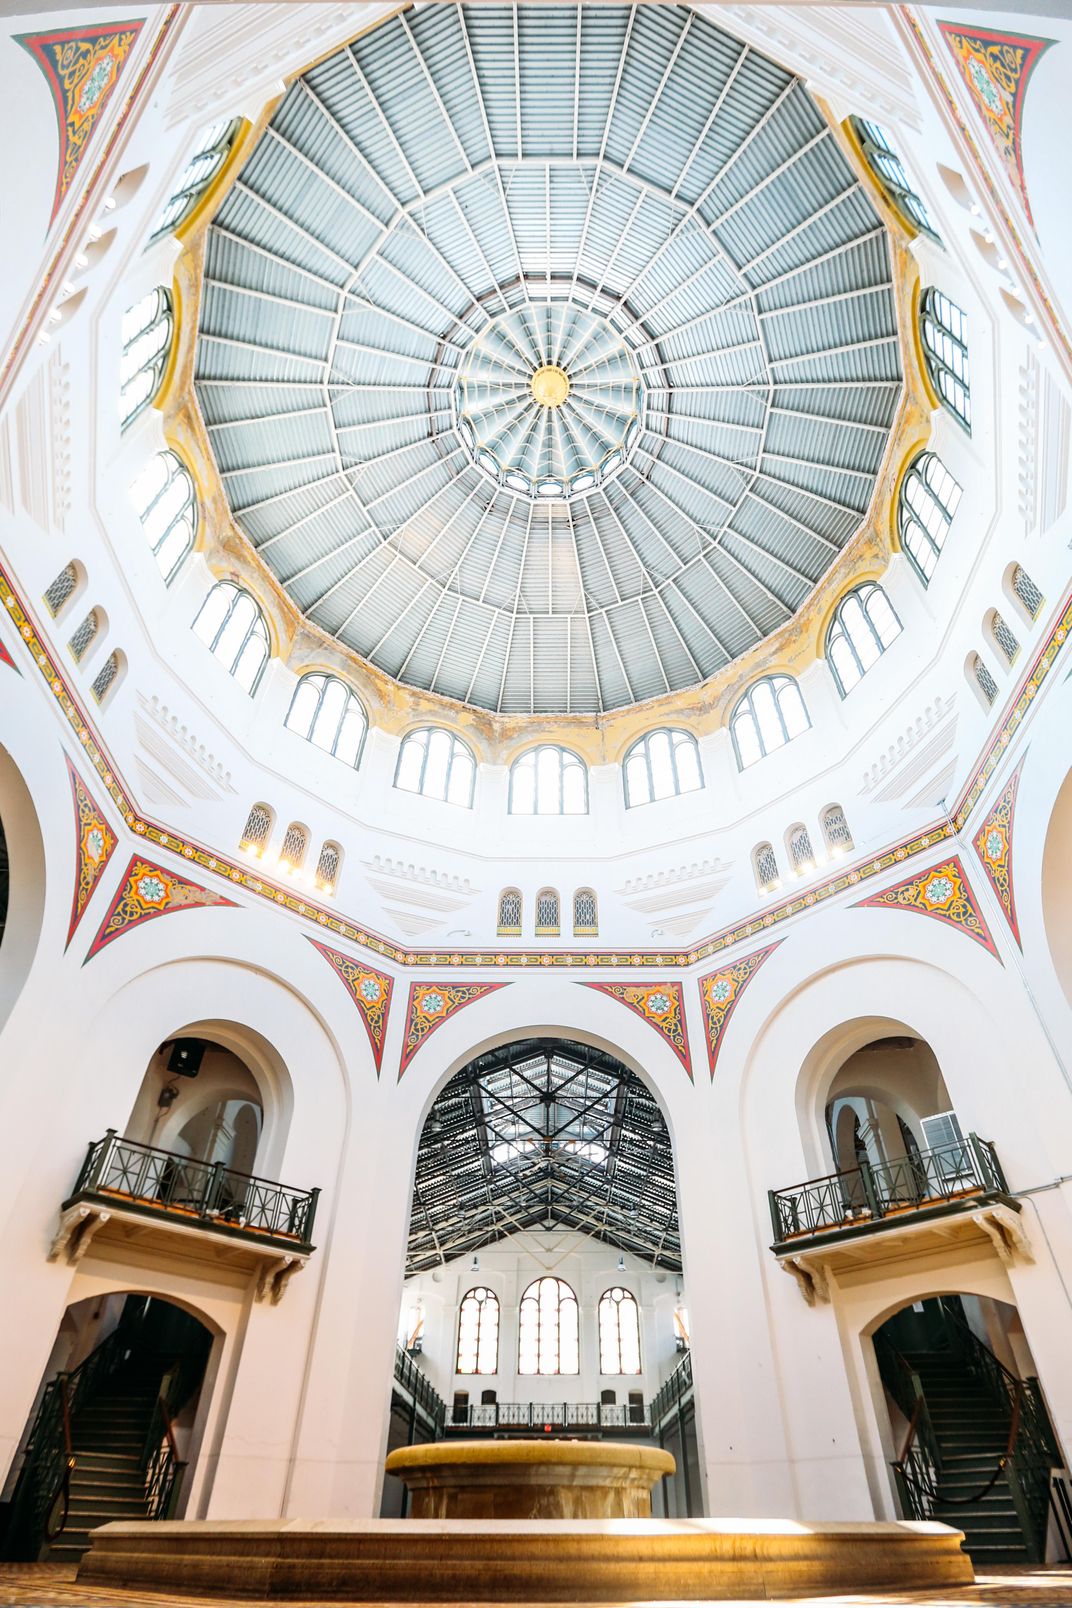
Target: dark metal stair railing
919	1465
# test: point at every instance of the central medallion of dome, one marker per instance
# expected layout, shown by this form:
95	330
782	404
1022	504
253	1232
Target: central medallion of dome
548	398
548	354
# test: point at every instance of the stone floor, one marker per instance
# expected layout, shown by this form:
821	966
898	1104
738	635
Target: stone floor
44	1585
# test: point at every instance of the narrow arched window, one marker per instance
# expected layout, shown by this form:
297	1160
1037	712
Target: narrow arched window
209	155
148	328
83	636
863	627
928	500
478	1332
107	677
509	925
327	867
585	914
549	781
890	171
329	715
257	829
836	834
1004	639
437	764
661	765
548	921
295	844
166	501
62	589
548	1329
619	1332
232	627
945	347
1026	592
799	849
765	866
984	681
769	715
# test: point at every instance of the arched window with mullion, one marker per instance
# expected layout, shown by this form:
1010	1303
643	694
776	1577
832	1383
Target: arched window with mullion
206	160
863	627
661	764
148	328
928	499
886	164
478	1332
437	764
944	328
767	716
549	780
548	1329
234	630
329	714
619	1332
166	500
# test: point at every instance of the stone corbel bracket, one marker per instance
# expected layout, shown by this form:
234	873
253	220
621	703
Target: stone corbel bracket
810	1275
1005	1231
273	1277
77	1226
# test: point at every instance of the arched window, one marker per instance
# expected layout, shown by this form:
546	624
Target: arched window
769	715
585	914
209	155
928	500
327	714
661	765
619	1332
478	1333
1004	639
63	588
548	921
327	867
765	866
148	328
890	171
257	829
232	627
295	844
83	636
166	501
862	629
836	832
798	846
984	681
1026	592
945	346
549	1332
509	913
436	764
108	676
548	781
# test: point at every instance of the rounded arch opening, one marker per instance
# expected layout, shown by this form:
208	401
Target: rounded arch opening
1057	886
22	883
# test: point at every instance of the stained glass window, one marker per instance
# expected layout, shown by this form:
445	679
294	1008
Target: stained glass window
945	347
509	911
983	679
765	863
585	913
148	328
257	828
83	636
295	843
547	913
166	501
769	715
106	677
327	867
1006	641
549	1330
892	174
928	500
1027	592
661	765
327	714
836	829
232	627
436	764
478	1332
549	781
61	589
801	855
619	1332
863	627
209	155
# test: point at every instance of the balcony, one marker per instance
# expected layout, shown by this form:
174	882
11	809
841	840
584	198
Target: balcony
575	1419
193	1208
672	1397
864	1215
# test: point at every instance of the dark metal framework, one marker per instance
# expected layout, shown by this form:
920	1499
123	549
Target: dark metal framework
541	1134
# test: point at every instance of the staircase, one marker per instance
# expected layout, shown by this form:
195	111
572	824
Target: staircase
109	1436
971	1429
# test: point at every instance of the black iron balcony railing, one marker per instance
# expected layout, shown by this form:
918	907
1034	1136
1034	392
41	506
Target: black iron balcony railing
548	1418
863	1198
674	1391
417	1384
203	1194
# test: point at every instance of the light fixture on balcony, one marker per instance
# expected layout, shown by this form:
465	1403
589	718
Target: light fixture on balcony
474	1265
621	1264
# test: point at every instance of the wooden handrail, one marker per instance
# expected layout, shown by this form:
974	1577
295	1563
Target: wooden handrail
913	1425
65	1408
169	1429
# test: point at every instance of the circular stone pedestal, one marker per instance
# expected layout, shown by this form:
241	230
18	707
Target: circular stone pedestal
529	1479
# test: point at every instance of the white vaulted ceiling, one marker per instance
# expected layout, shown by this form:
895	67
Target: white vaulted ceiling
628	197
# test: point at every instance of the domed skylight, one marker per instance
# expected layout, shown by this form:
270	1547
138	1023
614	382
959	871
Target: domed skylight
548	355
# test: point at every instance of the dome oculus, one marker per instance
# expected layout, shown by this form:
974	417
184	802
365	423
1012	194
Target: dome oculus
548	355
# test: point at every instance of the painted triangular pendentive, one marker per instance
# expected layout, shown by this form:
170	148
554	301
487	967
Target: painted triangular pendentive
82	67
993	845
996	67
429	1006
719	993
944	893
148	891
5	658
662	1006
370	991
94	846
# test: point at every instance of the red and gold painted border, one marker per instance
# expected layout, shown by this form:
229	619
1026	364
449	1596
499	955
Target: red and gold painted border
245	877
996	67
370	991
430	1005
662	1006
719	995
944	893
993	845
146	892
95	843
